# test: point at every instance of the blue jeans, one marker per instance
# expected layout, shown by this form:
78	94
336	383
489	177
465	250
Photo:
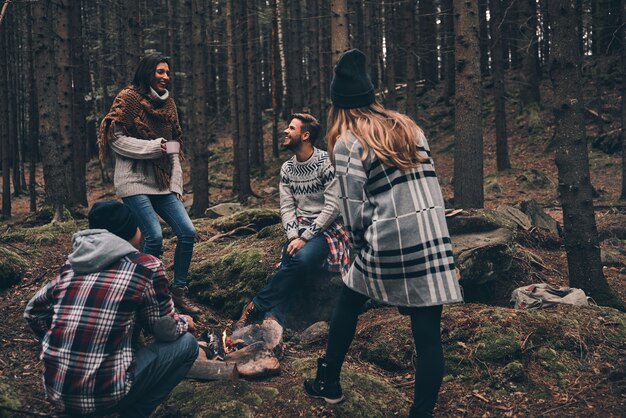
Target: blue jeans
159	368
273	298
167	206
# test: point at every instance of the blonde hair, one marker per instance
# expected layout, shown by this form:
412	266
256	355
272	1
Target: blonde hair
392	136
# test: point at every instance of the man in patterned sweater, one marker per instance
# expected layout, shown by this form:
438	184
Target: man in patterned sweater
309	208
90	315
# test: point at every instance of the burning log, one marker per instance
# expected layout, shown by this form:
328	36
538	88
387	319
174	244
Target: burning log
255	360
205	369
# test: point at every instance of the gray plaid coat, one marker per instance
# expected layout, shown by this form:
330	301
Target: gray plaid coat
396	222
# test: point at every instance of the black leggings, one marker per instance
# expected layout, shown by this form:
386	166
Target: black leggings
425	326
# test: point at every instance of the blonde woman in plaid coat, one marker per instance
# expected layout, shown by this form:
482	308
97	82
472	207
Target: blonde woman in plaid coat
394	212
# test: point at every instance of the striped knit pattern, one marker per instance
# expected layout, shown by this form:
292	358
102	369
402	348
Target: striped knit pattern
396	222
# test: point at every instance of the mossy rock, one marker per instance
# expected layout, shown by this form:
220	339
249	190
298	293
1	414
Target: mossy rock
12	268
385	355
515	372
228	283
258	218
608	142
367	395
43	235
44	216
219	399
497	344
8	398
479	220
533	179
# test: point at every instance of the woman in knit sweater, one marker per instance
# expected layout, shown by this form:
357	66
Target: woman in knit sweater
148	174
393	210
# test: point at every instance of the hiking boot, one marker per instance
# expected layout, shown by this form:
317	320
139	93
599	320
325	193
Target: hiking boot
249	314
182	302
326	383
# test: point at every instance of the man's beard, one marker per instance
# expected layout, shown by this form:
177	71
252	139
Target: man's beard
293	145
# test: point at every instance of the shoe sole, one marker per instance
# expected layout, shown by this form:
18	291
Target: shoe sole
328	400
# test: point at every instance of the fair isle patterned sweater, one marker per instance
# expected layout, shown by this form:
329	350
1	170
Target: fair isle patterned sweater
396	222
308	190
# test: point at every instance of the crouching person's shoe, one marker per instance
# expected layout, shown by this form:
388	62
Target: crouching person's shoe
182	302
326	383
249	314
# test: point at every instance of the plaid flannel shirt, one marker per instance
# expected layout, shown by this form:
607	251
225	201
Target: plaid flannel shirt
338	260
89	324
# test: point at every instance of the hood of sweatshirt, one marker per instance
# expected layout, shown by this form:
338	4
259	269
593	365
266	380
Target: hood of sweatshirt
95	249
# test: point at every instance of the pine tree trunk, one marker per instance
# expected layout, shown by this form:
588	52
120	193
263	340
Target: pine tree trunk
483	37
12	108
232	87
447	57
390	56
255	133
581	236
276	79
80	127
4	125
623	38
340	37
314	62
55	184
468	143
428	42
497	67
197	113
408	13
33	128
134	32
529	76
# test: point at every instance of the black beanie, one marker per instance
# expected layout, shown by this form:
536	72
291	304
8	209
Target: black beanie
115	217
351	86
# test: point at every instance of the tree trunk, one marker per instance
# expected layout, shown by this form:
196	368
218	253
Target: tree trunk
529	76
623	38
390	56
340	38
427	44
134	32
468	144
242	152
255	131
502	148
483	37
232	86
80	127
197	114
55	183
447	57
33	128
581	236
314	61
4	128
408	14
276	79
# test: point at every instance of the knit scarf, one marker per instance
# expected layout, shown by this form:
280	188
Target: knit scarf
142	118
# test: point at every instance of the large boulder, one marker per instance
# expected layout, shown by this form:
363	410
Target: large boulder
12	268
255	218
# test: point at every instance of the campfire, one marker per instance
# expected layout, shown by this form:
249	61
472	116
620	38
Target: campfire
252	351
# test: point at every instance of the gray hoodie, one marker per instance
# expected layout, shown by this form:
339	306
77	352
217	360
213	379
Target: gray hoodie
95	249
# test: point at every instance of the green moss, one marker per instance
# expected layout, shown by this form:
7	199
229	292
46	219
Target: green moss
515	372
227	284
497	345
41	235
385	354
492	185
258	218
12	267
8	398
272	232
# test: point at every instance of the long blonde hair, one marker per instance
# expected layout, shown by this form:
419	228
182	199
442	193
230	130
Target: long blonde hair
392	136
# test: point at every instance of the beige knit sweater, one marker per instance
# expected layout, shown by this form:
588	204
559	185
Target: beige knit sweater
142	180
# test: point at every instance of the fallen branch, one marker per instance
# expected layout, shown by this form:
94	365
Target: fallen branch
247	228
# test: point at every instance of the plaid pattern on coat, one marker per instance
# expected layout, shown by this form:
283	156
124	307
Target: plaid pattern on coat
402	254
88	324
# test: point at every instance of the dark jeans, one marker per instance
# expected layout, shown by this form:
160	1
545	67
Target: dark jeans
425	326
274	297
159	368
167	206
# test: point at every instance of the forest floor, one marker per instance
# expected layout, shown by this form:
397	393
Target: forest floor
533	176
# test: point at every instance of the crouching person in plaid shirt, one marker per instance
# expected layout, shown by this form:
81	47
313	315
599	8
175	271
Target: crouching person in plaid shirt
89	319
309	208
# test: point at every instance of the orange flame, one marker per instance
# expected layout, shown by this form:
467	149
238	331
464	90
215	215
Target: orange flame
226	342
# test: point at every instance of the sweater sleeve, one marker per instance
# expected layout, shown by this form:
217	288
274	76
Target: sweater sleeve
355	205
331	203
287	206
130	147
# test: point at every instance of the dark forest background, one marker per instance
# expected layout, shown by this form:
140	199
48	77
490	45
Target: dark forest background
241	67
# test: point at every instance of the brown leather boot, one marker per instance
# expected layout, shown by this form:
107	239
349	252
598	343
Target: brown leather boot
249	314
182	302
